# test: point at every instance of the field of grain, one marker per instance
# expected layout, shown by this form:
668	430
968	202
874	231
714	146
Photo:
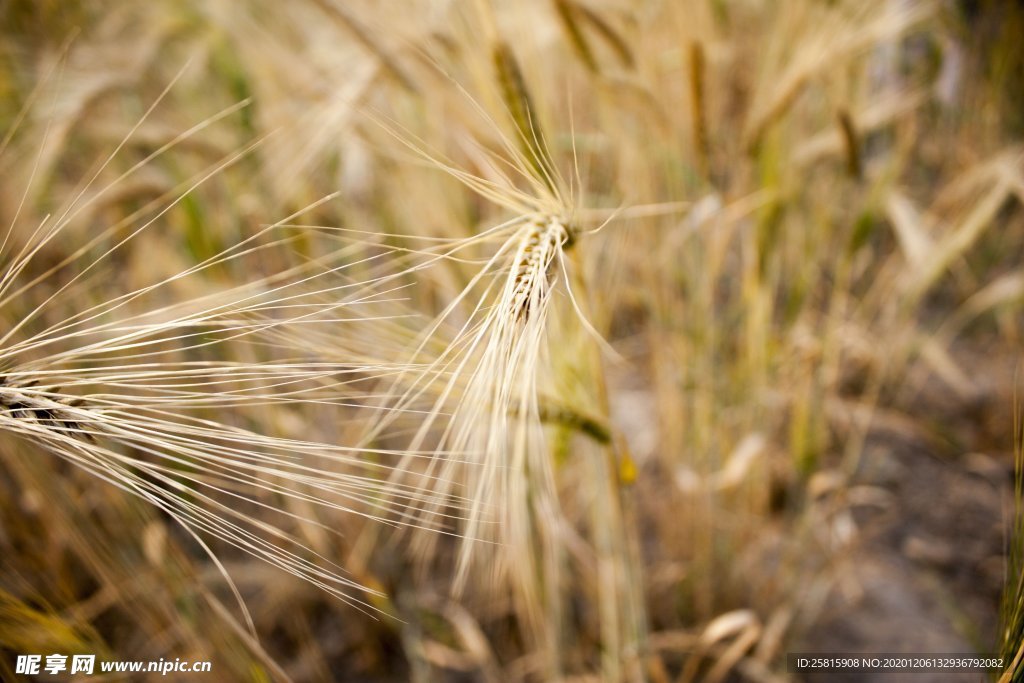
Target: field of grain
473	340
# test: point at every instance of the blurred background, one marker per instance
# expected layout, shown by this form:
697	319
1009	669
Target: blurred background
812	280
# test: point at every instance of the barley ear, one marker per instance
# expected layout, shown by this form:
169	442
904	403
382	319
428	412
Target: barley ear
616	42
698	67
851	143
520	106
567	11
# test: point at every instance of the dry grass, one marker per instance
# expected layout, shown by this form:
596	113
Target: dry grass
558	339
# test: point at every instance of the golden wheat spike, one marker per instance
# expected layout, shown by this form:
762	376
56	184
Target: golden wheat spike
538	246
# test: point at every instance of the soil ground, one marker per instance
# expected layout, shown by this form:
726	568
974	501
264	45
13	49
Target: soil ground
928	570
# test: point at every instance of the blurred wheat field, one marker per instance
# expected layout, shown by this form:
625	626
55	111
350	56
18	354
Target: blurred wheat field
582	340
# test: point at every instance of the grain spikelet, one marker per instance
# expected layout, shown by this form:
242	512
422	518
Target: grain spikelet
471	393
144	389
520	107
698	106
566	11
618	44
851	143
